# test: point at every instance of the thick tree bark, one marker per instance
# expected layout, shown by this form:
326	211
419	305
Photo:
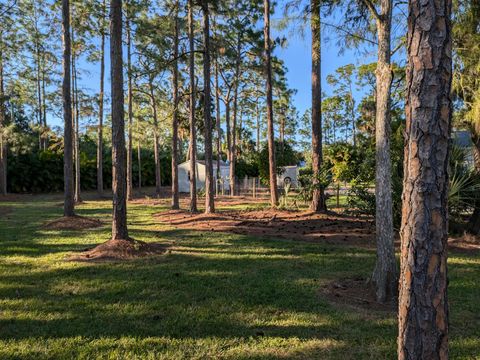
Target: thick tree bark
119	186
270	126
175	201
423	307
193	135
130	109
156	145
209	182
100	107
3	142
318	200
69	203
385	274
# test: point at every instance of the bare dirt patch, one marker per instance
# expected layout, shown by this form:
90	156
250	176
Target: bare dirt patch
120	250
355	292
73	223
307	226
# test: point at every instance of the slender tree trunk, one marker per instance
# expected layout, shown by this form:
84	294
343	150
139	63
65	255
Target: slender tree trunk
76	141
385	274
39	97
233	151
100	107
139	157
175	201
423	307
270	126
44	106
318	200
193	135
78	196
69	203
119	186
258	127
229	133
156	145
130	109
218	124
3	145
209	182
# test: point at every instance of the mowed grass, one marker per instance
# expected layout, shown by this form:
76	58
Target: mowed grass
213	296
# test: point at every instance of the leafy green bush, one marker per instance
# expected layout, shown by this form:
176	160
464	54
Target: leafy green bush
42	171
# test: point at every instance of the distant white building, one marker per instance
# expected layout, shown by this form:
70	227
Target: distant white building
184	176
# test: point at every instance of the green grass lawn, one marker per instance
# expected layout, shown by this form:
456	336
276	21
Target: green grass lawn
214	296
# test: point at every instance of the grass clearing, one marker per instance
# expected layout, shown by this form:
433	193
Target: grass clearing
214	295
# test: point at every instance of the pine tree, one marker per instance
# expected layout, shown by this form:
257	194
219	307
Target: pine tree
423	305
119	186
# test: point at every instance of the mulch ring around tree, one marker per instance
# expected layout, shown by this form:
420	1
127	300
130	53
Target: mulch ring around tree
73	223
120	250
357	293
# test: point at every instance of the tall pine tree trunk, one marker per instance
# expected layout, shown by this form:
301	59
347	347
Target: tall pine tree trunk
3	141
218	122
100	107
318	199
423	307
76	136
385	274
119	186
270	125
139	156
191	115
156	145
41	143
258	127
233	151
175	200
209	182
227	125
69	203
130	108
78	196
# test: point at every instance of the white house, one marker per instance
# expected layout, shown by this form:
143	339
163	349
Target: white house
184	176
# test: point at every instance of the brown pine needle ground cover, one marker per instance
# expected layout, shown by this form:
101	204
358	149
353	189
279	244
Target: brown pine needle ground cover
117	250
73	223
307	226
211	295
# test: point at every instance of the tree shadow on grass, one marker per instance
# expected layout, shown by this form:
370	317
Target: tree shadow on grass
211	286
